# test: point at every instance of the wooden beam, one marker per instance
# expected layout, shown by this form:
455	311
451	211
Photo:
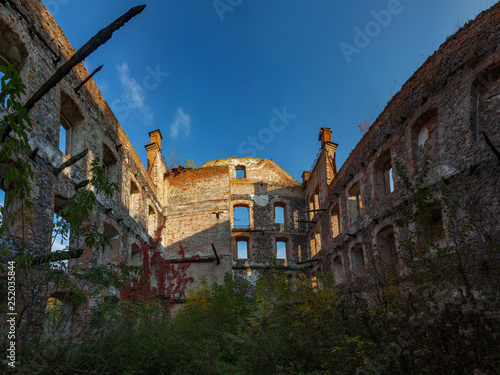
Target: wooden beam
196	260
286	268
216	256
95	42
71	161
81	184
175	300
88	78
492	146
34	153
57	256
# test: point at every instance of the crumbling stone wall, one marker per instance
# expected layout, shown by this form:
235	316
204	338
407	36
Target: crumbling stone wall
442	110
198	219
264	186
336	221
42	47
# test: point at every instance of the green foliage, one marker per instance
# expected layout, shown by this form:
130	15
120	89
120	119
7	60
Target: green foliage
444	319
188	163
15	169
435	251
72	219
441	320
47	325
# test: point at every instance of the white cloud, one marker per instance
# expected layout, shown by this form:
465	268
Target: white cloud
133	91
181	124
134	95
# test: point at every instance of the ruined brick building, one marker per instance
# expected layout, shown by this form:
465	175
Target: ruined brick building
334	221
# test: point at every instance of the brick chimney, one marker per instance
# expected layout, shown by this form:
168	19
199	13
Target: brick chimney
305	176
154	146
325	135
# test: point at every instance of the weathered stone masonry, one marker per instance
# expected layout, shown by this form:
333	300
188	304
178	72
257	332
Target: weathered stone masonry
36	46
335	221
442	110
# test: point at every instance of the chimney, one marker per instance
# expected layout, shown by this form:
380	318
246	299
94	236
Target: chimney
154	146
156	137
325	135
305	176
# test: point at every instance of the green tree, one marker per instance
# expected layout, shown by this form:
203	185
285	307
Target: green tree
40	324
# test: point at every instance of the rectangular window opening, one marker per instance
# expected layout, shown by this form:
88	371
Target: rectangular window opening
241	172
391	181
60	240
64	135
242	249
336	225
241	217
279	214
280	249
62	139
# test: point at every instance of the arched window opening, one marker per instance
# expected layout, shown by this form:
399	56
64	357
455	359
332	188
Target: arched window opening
311	207
314	201
241	217
434	224
70	118
484	89
312	246
338	270
59	314
384	184
358	260
242	248
134	201
281	249
110	164
335	221
386	242
135	257
152	221
424	139
111	253
355	202
12	50
317	237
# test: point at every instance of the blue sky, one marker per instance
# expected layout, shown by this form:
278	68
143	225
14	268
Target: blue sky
257	78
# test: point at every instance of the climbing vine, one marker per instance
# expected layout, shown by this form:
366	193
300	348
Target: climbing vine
171	278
